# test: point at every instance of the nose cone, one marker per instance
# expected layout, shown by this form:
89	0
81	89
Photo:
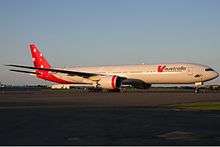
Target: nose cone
210	74
215	75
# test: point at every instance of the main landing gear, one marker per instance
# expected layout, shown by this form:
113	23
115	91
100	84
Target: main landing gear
197	86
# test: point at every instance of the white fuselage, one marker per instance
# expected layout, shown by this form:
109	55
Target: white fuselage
179	73
113	77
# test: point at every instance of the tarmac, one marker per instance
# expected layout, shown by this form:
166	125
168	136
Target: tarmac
47	117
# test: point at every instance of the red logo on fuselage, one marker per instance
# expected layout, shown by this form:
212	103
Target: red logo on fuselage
161	68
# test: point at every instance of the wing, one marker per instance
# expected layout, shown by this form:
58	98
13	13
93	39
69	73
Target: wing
69	72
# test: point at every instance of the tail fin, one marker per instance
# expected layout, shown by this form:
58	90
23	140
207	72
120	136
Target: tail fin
38	58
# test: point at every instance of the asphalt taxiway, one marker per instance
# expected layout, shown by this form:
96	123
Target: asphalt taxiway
50	98
88	118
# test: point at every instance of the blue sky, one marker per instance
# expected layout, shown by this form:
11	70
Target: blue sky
103	32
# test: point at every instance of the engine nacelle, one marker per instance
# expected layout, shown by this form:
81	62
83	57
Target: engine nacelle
110	82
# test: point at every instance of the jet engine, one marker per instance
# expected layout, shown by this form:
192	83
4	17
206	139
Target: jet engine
110	82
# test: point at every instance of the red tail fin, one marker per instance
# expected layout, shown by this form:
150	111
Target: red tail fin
40	62
38	58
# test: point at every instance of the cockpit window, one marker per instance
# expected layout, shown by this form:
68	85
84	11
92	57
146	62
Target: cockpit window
209	69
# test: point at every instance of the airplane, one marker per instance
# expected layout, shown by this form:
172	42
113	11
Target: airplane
113	77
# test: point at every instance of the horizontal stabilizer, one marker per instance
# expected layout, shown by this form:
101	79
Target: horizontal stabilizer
23	71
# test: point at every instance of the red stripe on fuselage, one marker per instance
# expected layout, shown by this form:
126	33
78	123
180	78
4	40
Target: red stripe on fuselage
50	77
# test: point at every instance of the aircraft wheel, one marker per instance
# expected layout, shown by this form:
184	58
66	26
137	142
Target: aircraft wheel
196	90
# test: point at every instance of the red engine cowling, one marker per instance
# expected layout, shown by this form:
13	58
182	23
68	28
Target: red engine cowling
110	82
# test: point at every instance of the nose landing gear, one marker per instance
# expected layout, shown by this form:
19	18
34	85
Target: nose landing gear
196	90
197	86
